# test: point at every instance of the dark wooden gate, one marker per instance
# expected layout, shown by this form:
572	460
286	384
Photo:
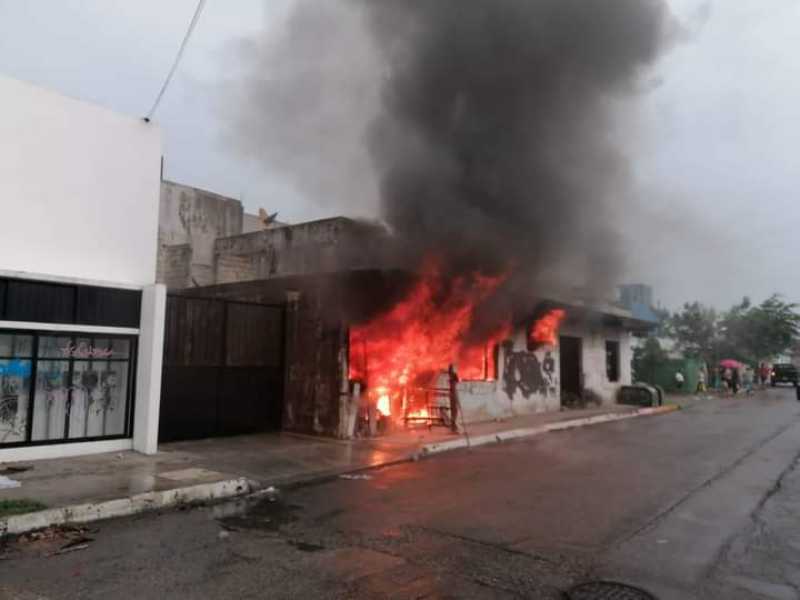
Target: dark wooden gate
223	368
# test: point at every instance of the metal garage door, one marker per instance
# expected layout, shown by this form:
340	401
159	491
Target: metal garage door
223	368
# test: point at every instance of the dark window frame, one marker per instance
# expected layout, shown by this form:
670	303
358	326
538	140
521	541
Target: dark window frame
613	361
130	398
39	301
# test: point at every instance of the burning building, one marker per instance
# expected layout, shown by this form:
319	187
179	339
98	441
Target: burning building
487	133
353	366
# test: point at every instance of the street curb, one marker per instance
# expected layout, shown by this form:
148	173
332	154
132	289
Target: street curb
513	434
123	507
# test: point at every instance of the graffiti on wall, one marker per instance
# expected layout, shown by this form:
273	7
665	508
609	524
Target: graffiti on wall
525	373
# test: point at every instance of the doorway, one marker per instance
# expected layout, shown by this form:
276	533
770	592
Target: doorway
571	350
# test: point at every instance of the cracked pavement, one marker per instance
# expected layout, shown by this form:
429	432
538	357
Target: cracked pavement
701	503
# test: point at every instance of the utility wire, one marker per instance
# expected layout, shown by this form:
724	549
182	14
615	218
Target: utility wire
195	18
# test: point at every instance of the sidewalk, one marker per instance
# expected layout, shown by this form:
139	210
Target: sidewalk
110	485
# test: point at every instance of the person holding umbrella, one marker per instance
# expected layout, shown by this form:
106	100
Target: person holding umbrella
731	373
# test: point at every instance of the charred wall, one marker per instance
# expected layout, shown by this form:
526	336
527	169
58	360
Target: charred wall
319	310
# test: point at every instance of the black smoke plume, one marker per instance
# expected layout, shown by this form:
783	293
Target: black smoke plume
493	145
493	136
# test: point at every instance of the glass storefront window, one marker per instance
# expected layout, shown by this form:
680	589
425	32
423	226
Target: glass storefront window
15	376
51	400
16	345
14	400
54	346
81	387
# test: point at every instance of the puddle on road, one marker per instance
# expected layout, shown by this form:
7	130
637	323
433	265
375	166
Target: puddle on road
305	546
269	512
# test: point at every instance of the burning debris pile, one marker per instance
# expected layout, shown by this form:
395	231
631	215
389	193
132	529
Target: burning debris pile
487	127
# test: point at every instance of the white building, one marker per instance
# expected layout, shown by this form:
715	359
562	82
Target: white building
590	362
81	317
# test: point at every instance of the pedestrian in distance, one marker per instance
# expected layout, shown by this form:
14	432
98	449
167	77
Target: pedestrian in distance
735	381
763	373
701	380
726	380
679	379
748	378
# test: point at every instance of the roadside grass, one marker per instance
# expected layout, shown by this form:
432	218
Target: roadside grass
18	507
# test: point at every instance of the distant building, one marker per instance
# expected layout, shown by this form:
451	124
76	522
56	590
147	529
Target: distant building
638	298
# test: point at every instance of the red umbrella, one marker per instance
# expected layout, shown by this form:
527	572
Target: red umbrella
730	363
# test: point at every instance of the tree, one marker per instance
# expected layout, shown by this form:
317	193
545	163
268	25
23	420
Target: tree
696	331
664	327
646	359
756	333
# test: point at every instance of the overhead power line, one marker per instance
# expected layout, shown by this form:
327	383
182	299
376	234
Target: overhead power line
195	18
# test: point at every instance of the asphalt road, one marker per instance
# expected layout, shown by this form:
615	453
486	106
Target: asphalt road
695	504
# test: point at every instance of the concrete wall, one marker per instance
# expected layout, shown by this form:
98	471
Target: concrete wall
251	223
195	218
307	248
231	268
79	188
189	214
528	382
175	266
594	338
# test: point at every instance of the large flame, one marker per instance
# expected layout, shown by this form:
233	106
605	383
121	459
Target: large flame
422	335
545	330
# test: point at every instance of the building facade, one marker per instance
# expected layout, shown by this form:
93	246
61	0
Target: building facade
208	239
81	315
587	363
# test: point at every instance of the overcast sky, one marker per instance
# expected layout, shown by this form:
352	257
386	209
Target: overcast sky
712	143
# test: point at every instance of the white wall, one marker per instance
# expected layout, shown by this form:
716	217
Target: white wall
523	386
595	377
79	188
520	391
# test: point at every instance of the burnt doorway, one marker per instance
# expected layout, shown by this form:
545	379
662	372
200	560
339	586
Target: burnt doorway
570	351
223	368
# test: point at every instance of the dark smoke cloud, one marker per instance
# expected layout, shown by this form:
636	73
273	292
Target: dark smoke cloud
298	101
486	127
494	142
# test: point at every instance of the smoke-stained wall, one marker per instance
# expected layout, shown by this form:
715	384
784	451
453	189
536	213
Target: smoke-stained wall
530	382
193	217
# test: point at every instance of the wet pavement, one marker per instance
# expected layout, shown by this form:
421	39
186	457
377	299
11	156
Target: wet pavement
528	519
264	459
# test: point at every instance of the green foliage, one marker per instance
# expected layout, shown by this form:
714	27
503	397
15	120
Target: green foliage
755	333
745	332
664	327
646	359
696	330
18	507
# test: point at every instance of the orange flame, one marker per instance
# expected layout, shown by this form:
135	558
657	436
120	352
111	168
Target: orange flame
423	334
384	404
545	330
419	415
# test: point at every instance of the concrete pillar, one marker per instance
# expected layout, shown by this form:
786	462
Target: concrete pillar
149	362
